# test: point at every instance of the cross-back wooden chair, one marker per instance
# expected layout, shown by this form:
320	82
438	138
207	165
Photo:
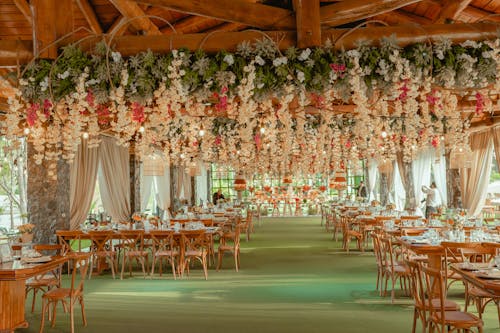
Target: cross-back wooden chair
68	296
133	248
229	242
439	318
349	233
102	248
164	247
392	270
194	245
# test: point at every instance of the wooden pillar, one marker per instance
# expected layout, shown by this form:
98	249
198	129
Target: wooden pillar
135	183
174	200
48	198
384	189
454	188
406	172
308	23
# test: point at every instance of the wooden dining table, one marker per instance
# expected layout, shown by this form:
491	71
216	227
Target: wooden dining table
13	276
488	284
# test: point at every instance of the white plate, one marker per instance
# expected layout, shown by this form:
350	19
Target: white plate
37	259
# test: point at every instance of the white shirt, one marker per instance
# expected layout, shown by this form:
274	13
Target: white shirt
431	200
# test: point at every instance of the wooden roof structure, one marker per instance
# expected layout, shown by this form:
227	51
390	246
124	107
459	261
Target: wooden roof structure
30	28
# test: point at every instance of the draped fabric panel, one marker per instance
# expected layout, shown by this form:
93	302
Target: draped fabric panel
163	189
372	178
421	168
439	170
146	188
478	176
114	179
83	174
399	189
201	186
496	143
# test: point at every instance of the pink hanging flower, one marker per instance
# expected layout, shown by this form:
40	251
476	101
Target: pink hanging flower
258	142
195	143
431	98
31	114
102	114
403	138
90	98
339	69
479	103
421	132
138	113
218	140
435	141
348	144
221	105
47	105
404	91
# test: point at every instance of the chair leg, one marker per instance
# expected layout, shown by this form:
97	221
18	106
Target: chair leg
53	319
44	309
33	300
72	316
236	260
123	268
82	306
172	264
153	266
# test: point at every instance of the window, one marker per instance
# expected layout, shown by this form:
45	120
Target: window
223	178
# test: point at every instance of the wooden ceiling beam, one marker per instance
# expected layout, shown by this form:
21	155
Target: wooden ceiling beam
187	25
25	9
308	24
239	11
402	16
481	15
136	17
118	27
46	29
350	11
451	9
227	27
89	14
14	52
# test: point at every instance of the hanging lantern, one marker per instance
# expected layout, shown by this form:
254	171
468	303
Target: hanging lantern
287	179
385	167
339	181
322	188
153	165
240	183
460	158
306	188
193	168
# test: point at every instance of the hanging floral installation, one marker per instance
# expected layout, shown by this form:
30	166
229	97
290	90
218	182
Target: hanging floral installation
257	110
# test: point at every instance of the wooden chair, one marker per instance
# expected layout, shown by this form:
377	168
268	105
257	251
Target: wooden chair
67	239
164	248
417	291
194	245
439	317
348	233
378	257
102	249
68	296
47	281
229	242
133	248
246	225
392	270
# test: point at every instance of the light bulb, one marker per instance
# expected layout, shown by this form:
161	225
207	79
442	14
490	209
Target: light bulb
182	155
460	149
141	129
85	135
201	132
237	152
262	130
324	152
442	137
26	131
384	134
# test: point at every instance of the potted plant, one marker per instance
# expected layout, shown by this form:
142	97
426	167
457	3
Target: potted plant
26	231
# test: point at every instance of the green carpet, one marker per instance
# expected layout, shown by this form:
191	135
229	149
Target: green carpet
293	278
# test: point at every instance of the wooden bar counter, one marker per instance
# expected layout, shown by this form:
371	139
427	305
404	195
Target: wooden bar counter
13	276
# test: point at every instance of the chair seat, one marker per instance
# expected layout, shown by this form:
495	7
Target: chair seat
193	253
43	282
226	247
166	253
399	269
136	253
477	292
60	293
104	253
448	305
459	318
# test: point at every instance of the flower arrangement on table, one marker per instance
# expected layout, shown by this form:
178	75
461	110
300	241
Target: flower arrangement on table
26	228
136	217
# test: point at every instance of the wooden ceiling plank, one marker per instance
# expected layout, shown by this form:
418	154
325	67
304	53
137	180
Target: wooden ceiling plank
90	15
239	11
119	27
187	25
481	15
24	7
46	29
227	27
14	51
404	16
451	9
355	10
308	23
130	10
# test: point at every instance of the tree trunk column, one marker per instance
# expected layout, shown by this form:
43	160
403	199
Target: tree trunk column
48	199
454	188
135	184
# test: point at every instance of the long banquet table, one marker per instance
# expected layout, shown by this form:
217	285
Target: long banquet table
13	276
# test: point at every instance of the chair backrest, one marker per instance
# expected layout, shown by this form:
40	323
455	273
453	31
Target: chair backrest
163	240
101	238
49	249
67	238
194	240
376	248
387	253
417	287
79	271
493	247
207	222
132	239
435	288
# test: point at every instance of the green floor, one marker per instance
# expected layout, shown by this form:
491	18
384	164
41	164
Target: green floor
293	278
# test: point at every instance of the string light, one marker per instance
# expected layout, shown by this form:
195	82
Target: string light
201	132
262	130
26	131
141	129
384	134
85	135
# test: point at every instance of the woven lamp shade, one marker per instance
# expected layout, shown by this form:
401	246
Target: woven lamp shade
460	158
153	166
193	168
240	184
339	181
287	180
385	167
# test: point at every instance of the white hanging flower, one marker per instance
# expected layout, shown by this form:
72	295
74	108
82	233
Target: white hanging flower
300	76
280	61
116	56
64	75
304	55
259	60
229	59
44	83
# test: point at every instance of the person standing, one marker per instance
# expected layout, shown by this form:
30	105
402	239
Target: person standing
431	203
218	196
362	193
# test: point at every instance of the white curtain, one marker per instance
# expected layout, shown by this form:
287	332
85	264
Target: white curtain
439	170
146	188
201	186
114	179
83	174
421	168
187	187
372	178
163	189
399	190
478	176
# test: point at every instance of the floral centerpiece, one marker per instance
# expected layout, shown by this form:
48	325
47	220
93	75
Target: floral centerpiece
26	231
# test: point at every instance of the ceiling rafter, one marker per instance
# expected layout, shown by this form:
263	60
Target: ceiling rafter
451	9
308	25
90	15
350	11
227	27
119	27
239	11
188	24
132	12
480	14
25	9
404	16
